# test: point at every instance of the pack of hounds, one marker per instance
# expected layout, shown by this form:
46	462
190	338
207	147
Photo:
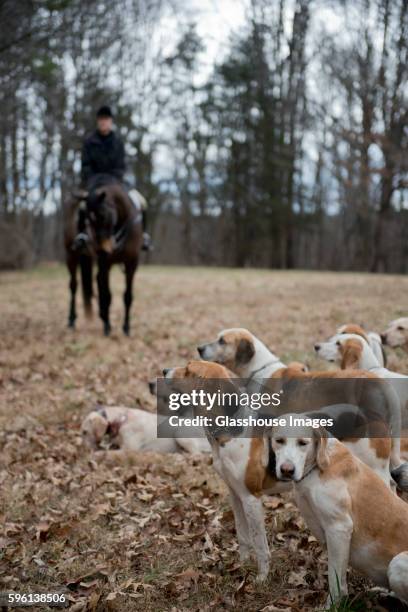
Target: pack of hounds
349	491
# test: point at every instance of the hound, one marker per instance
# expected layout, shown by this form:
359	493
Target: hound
131	429
347	507
247	466
373	339
396	333
244	354
241	462
352	351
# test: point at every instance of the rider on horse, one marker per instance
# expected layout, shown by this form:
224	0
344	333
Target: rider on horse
103	162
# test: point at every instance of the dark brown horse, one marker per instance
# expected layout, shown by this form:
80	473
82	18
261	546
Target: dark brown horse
114	227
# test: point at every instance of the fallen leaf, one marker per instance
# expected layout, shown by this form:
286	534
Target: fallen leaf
111	596
272	608
297	578
189	575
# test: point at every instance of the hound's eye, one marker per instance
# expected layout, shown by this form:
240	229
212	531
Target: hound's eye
221	341
400	328
302	443
338	343
280	440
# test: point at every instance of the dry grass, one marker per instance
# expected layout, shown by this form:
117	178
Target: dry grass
156	533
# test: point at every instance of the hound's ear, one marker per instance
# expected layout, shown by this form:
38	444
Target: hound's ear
245	351
116	425
350	354
322	456
384	355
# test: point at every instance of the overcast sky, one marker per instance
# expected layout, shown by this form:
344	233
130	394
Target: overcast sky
216	21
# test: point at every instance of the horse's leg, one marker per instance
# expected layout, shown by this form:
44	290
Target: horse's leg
104	293
130	269
72	263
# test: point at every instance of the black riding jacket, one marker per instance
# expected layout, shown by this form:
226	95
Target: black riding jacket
102	155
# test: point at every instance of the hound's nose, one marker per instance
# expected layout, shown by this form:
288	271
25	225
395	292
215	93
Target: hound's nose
383	338
317	347
166	371
287	470
200	350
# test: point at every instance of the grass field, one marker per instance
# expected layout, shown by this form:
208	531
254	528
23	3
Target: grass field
156	533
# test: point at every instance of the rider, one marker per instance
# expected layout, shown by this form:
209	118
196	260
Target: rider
103	161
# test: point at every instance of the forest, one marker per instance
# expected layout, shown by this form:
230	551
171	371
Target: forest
287	148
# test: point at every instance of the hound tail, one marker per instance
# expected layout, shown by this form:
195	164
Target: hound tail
86	279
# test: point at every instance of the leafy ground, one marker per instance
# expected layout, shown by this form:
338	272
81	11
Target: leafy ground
155	533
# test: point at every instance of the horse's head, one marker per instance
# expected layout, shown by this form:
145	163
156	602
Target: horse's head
103	217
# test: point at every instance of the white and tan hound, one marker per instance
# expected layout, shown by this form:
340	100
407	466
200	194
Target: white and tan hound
244	354
373	339
352	351
132	429
347	507
396	334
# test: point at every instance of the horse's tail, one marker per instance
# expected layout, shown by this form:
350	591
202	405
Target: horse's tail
86	279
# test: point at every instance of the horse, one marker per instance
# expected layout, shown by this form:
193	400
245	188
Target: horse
114	228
